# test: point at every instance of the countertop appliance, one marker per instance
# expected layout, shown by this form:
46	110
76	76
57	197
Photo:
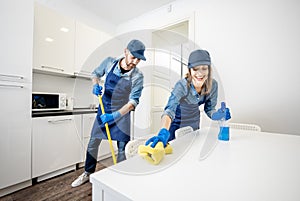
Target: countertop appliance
45	101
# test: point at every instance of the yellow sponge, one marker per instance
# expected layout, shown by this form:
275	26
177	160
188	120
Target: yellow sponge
156	154
168	149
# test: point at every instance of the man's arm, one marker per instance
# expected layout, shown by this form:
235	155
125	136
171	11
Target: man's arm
126	108
95	80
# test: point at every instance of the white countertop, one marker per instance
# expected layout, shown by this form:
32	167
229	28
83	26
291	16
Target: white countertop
251	166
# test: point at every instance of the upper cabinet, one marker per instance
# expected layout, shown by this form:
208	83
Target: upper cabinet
16	40
63	45
87	40
54	36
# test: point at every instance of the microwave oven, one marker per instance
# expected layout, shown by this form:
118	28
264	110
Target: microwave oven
44	101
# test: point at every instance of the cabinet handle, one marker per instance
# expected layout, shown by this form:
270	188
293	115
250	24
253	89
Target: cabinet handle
53	68
85	71
11	86
12	76
82	74
59	121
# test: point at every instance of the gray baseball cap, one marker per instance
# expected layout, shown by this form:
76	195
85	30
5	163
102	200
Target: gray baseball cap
199	57
137	49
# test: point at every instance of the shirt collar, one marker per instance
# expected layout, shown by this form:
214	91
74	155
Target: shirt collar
193	89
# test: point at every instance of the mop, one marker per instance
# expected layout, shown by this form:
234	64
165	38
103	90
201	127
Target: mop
108	132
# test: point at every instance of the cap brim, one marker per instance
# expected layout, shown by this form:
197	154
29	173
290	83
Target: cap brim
199	63
139	56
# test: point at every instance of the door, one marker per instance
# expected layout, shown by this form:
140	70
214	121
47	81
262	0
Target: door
170	47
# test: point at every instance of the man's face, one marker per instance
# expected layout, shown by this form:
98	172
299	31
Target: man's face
130	60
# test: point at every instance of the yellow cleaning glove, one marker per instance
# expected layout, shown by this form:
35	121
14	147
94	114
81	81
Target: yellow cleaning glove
156	154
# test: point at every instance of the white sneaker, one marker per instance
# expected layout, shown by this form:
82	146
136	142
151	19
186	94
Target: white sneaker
81	179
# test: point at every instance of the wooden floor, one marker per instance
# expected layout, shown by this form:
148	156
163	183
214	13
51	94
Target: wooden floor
58	188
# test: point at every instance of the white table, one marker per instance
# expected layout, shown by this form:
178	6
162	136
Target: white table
251	166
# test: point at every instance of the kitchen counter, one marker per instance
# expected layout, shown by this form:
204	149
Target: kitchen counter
63	112
251	166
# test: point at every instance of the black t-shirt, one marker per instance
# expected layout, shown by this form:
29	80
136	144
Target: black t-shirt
123	70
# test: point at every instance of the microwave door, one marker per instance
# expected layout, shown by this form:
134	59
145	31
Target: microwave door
42	102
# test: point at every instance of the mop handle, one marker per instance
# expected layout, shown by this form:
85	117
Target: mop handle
108	132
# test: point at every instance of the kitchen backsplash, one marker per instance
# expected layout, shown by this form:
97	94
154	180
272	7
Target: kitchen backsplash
78	90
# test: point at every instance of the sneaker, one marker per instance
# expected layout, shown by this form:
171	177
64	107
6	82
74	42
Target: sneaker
81	179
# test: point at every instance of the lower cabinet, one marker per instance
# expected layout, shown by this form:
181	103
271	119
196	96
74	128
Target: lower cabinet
15	136
60	142
87	125
56	144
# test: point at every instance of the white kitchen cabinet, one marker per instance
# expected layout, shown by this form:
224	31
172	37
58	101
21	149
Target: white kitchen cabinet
87	40
78	127
15	137
88	122
16	38
104	149
56	145
54	38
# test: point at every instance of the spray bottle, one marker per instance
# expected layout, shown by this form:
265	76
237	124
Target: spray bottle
223	123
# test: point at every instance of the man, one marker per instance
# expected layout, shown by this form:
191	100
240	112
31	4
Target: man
123	88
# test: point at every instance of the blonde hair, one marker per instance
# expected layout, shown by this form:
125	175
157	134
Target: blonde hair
206	88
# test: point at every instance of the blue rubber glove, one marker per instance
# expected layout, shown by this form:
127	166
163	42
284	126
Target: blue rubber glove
222	113
162	136
97	89
108	118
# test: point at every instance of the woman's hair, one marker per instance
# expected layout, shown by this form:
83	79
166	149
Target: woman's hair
206	88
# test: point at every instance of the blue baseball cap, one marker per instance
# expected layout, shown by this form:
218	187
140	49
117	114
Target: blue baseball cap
137	49
199	57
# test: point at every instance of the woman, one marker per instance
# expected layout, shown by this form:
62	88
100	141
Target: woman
197	88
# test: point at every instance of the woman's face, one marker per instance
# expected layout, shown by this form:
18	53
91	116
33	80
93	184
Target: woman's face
199	75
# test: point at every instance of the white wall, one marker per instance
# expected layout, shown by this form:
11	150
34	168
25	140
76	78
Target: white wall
254	47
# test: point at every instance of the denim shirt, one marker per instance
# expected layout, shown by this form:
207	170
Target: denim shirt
136	76
192	97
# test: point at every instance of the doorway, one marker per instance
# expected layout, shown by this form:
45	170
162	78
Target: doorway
170	51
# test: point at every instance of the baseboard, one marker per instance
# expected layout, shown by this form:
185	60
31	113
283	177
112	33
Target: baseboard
11	189
55	173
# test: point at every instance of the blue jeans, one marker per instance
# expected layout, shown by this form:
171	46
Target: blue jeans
92	153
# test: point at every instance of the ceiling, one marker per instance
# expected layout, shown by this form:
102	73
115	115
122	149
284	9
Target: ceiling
112	11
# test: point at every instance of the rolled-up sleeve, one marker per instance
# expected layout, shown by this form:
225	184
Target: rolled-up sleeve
178	92
103	68
172	104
